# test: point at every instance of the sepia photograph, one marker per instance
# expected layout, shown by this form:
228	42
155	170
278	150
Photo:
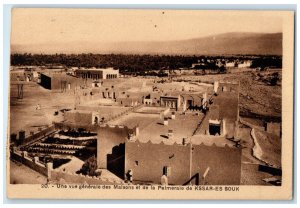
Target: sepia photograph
156	104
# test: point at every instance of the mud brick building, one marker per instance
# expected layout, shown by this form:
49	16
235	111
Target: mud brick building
59	81
189	148
183	164
81	116
119	151
223	111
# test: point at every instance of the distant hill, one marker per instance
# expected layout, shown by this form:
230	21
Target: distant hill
223	44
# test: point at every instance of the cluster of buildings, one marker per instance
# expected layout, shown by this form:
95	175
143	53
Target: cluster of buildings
238	64
77	78
181	136
59	78
187	148
227	63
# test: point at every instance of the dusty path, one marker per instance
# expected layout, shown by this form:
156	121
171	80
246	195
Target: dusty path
247	144
257	151
267	148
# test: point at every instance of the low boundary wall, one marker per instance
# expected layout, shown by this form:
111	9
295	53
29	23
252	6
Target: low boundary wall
57	175
33	163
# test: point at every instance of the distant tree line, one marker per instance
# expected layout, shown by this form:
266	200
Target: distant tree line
267	62
122	62
132	63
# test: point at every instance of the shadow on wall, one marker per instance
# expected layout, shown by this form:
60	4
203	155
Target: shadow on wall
116	160
195	179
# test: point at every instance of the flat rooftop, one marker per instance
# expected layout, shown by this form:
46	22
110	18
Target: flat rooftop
151	126
184	87
80	111
57	74
150	110
104	111
131	120
219	141
97	69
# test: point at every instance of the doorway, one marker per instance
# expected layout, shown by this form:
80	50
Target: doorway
214	129
189	103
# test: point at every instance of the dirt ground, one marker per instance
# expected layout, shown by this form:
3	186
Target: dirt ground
252	176
21	174
256	96
247	145
271	148
23	112
74	165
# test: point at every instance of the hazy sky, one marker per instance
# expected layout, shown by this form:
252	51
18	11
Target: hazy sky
33	26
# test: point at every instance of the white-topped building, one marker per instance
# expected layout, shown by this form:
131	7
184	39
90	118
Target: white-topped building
98	73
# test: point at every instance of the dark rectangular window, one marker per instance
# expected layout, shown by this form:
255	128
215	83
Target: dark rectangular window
167	170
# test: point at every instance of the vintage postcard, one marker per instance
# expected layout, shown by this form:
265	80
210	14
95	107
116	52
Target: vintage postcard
150	104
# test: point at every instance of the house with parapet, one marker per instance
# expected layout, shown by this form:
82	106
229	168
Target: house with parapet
186	147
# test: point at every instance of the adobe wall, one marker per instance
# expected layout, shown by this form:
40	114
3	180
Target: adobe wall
225	107
251	125
231	128
124	101
56	175
77	117
213	113
56	81
128	102
228	100
228	105
232	87
109	137
108	94
224	164
274	128
30	162
152	158
39	134
46	81
196	99
69	126
147	161
17	76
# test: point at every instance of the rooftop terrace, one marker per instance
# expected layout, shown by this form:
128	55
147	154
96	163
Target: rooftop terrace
151	126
